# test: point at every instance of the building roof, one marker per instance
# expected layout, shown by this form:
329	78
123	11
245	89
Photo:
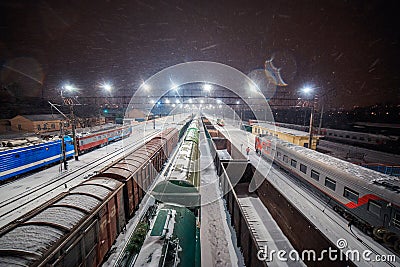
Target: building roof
283	130
44	117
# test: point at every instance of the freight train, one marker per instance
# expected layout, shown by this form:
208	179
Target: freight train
22	156
78	227
174	237
367	199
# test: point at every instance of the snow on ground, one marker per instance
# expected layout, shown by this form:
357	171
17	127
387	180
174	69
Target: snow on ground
11	192
326	220
217	246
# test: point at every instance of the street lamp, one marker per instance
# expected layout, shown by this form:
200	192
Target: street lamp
309	90
69	101
107	87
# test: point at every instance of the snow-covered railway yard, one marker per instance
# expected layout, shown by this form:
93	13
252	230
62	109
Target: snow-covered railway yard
243	216
23	195
325	220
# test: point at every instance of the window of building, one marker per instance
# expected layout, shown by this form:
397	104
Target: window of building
45	126
351	195
315	175
285	158
331	184
278	154
19	127
53	126
396	220
374	207
38	127
293	163
303	168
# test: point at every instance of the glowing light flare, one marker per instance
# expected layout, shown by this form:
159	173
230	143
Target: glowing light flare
307	89
69	87
106	86
207	87
145	86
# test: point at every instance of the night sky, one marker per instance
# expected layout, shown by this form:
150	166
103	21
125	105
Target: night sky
347	48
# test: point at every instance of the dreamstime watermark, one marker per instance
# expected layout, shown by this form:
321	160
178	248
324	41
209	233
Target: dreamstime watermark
332	254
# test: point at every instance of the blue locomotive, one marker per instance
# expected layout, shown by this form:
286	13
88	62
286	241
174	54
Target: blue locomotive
32	155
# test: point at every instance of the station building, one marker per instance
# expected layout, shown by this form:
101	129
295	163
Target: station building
290	135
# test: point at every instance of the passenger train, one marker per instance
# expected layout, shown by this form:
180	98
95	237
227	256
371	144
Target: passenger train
349	137
368	199
78	227
21	156
174	237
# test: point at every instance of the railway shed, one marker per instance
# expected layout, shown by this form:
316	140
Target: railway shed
290	135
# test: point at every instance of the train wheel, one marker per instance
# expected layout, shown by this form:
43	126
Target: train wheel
379	232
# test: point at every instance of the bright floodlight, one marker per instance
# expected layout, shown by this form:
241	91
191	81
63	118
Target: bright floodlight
69	87
190	101
219	101
307	90
237	102
167	101
207	87
107	87
145	86
174	87
177	101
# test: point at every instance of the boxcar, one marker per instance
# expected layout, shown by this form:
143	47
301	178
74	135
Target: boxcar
77	228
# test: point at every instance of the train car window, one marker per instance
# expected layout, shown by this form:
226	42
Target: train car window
350	194
354	137
369	139
334	134
396	220
17	156
315	175
374	208
347	136
293	163
329	133
362	138
285	158
331	184
303	168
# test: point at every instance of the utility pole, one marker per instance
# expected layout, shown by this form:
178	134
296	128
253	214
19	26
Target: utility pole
320	119
63	147
311	122
71	108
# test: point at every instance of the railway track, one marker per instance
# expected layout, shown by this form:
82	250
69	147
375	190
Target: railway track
299	186
122	254
16	205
